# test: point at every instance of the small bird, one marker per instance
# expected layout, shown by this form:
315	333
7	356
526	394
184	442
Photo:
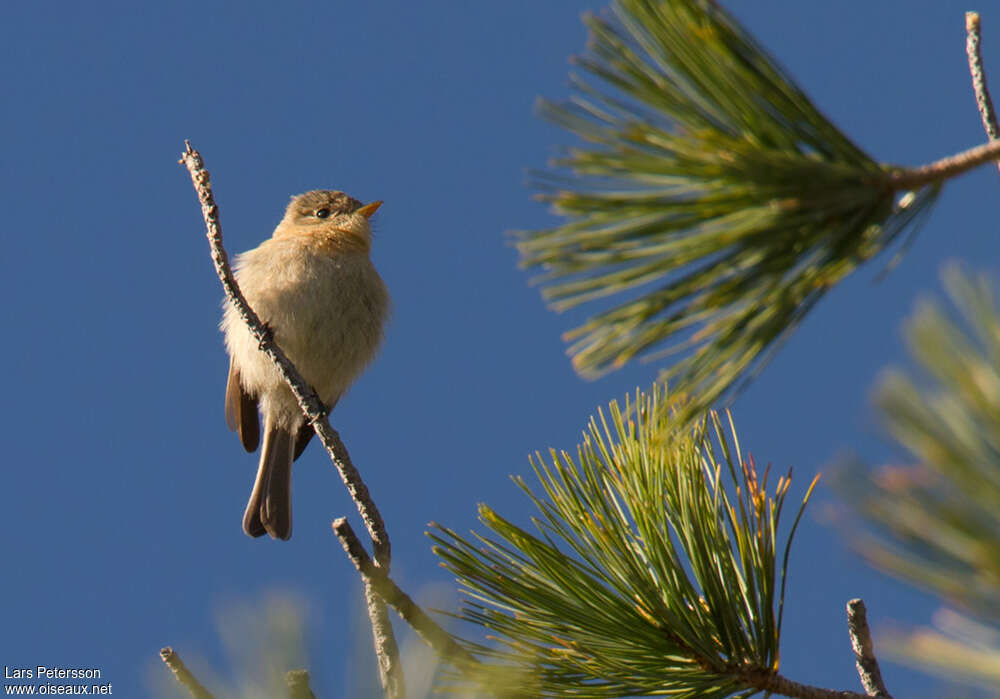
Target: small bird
314	285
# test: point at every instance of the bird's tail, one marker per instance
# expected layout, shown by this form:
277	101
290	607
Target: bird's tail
270	506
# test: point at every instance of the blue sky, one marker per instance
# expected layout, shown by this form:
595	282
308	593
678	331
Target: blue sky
124	490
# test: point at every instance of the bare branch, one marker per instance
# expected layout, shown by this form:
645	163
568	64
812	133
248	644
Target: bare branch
983	100
183	675
435	636
310	403
864	651
390	670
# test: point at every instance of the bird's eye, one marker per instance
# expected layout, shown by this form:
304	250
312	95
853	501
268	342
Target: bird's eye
322	213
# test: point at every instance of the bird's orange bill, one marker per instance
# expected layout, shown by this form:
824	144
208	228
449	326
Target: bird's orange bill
368	209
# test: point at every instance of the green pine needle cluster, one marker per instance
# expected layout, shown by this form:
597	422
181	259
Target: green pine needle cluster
937	520
652	568
711	201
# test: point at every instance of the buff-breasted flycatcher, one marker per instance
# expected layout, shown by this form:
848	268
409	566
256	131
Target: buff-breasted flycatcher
314	285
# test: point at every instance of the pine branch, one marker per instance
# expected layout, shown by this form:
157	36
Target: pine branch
934	523
653	568
711	205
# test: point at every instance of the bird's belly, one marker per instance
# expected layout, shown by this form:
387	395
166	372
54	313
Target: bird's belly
328	321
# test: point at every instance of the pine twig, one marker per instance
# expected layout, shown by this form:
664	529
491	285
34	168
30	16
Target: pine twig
864	651
967	160
376	578
910	179
774	683
983	99
709	197
390	666
183	675
390	670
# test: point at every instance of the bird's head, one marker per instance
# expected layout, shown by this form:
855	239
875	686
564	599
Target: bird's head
332	216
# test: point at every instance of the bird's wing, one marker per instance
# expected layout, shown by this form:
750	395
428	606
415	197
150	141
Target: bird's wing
241	410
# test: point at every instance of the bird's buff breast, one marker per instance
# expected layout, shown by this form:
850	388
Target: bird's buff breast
326	310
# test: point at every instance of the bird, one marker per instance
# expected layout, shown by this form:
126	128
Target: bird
314	286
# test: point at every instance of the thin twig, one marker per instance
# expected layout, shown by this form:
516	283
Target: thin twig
183	675
390	671
310	403
983	100
435	636
864	651
297	682
909	179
